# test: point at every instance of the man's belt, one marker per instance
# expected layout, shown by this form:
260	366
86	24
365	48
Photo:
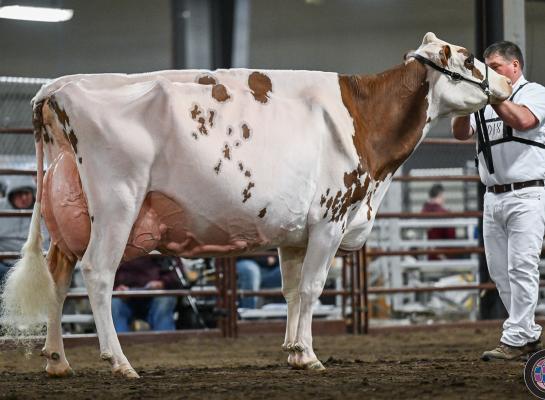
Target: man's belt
514	186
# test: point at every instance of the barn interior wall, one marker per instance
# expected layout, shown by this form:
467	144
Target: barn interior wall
348	36
535	35
103	36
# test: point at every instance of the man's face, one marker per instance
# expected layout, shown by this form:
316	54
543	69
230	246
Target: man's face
22	199
509	69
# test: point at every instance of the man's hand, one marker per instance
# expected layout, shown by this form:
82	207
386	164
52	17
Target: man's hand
155	285
121	287
461	127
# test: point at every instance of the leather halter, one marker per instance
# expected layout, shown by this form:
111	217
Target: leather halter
483	139
455	76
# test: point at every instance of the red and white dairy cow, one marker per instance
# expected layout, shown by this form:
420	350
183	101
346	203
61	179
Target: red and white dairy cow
200	163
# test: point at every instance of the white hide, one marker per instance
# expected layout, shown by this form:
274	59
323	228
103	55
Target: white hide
300	145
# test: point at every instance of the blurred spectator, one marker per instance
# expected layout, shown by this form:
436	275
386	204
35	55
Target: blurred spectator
20	195
146	273
436	203
261	272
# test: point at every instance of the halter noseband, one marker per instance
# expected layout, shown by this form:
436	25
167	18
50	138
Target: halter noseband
455	75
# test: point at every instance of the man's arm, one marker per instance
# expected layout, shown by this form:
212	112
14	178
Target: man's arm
517	117
461	127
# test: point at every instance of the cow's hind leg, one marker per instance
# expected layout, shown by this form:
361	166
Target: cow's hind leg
291	262
61	268
109	234
322	246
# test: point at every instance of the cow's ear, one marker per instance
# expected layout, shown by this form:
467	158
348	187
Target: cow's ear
444	55
428	38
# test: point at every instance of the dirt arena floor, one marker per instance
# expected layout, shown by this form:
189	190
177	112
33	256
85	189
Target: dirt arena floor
442	364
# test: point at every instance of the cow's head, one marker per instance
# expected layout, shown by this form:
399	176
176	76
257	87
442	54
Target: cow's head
459	83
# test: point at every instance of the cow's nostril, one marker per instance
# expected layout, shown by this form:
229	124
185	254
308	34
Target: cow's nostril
508	81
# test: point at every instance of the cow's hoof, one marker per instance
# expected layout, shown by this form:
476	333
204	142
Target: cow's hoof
314	366
292	361
126	372
56	373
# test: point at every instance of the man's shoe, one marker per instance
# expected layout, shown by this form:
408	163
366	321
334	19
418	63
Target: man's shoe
504	352
532	347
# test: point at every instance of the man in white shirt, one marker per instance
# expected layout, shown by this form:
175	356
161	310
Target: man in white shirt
511	162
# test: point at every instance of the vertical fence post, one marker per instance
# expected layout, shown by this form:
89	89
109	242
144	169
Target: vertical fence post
228	274
353	294
357	277
233	314
220	299
343	286
365	285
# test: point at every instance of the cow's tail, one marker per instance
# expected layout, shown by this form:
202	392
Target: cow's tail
29	289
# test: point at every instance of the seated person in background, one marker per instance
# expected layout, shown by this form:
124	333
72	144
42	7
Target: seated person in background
20	192
436	203
260	272
148	272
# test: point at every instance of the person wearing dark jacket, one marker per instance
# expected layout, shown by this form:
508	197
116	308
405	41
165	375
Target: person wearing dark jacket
146	273
20	195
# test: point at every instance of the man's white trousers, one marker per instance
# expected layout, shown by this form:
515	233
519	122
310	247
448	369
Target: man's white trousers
513	228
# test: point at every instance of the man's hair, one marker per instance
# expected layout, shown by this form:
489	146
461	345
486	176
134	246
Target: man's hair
508	50
436	190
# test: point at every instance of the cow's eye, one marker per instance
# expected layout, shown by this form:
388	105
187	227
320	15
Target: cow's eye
469	62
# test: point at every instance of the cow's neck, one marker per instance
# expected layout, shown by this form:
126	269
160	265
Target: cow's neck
389	112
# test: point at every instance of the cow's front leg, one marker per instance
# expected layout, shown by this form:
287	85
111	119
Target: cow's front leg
291	263
322	245
61	269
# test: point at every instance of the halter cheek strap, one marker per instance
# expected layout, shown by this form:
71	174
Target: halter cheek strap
484	85
482	131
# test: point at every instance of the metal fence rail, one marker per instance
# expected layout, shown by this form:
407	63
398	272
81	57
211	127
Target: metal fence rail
354	265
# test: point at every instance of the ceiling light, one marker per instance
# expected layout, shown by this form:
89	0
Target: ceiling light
41	14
